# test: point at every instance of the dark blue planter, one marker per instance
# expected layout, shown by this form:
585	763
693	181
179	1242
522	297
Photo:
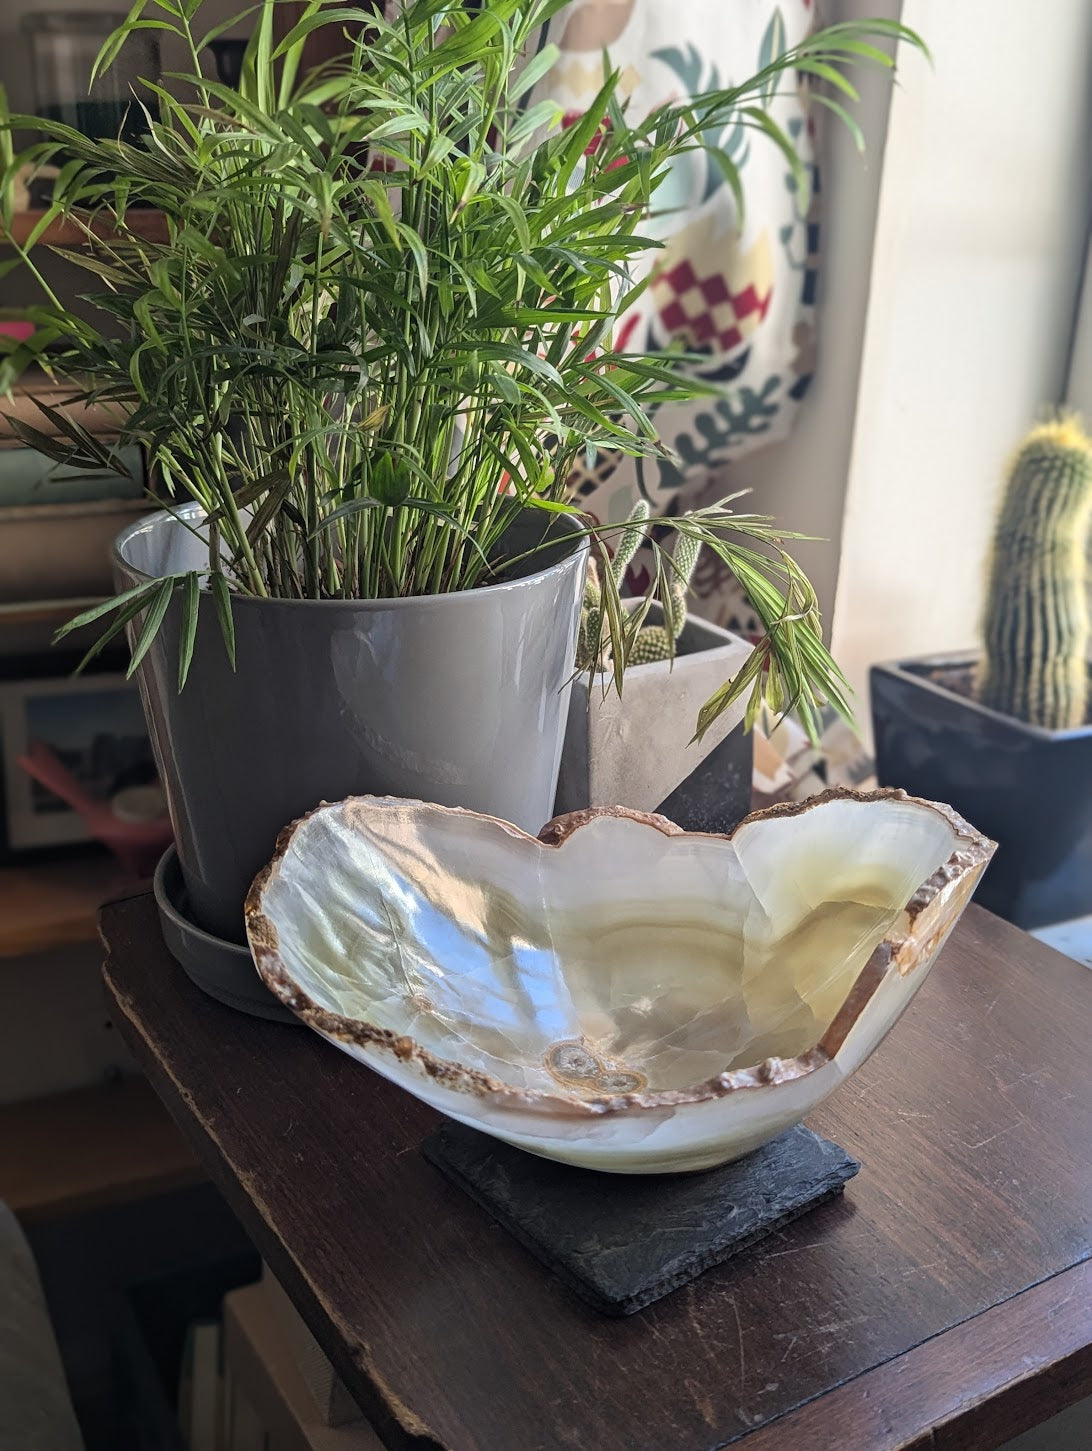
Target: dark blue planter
1030	789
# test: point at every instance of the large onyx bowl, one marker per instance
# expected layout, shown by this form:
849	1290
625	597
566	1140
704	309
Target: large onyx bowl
616	993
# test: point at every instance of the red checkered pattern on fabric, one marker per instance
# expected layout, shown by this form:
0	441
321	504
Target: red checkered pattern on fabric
705	310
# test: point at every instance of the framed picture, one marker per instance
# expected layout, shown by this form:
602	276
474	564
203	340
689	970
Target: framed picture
91	731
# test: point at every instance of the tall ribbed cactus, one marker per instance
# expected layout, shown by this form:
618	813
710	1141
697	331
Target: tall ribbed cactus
1036	624
653	642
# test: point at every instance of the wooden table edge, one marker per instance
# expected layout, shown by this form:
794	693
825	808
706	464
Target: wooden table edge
968	1388
395	1423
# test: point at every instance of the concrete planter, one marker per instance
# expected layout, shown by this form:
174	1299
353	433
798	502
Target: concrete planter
1030	789
459	699
635	750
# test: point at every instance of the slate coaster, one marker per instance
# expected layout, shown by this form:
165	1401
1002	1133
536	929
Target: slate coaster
623	1240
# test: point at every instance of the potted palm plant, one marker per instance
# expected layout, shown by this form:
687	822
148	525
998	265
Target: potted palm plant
1005	735
362	355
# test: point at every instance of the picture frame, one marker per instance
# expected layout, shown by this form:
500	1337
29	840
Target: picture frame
94	725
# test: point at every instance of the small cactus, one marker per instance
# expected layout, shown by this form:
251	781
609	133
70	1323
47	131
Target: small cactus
653	642
1036	625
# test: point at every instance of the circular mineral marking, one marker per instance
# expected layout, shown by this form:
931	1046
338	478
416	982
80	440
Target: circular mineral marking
572	1060
626	1082
575	1066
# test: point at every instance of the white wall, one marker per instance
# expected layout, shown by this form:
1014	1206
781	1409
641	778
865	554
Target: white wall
974	277
951	258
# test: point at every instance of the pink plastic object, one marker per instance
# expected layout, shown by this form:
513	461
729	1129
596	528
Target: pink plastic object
138	845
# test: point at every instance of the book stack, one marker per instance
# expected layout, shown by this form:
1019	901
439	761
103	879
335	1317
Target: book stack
57	521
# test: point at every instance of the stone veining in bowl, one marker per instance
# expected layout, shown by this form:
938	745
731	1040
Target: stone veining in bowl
615	993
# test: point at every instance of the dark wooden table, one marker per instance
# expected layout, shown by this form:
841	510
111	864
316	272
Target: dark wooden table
945	1302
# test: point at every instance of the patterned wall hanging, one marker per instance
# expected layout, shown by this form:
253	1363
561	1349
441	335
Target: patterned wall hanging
740	293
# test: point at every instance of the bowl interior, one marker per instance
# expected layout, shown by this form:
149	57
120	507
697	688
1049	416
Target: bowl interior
625	959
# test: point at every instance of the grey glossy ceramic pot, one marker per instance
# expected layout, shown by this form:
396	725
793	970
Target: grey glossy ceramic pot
460	699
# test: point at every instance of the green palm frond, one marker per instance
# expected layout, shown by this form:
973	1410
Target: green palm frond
381	322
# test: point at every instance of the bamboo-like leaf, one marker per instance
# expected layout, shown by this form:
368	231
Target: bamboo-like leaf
579	137
769	127
732	690
111	46
58	449
377	194
730	172
615	617
273	500
522	358
291	53
138	594
418	251
312	20
190	604
221	596
824	71
830	104
348	510
772	48
551	506
534	70
160	602
117	625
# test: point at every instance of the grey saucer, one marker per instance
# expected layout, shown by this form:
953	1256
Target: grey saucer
222	969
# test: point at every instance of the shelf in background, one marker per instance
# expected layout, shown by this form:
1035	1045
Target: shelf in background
46	612
107	1144
54	903
66	233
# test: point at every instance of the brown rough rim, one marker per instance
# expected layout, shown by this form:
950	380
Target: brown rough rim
928	915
